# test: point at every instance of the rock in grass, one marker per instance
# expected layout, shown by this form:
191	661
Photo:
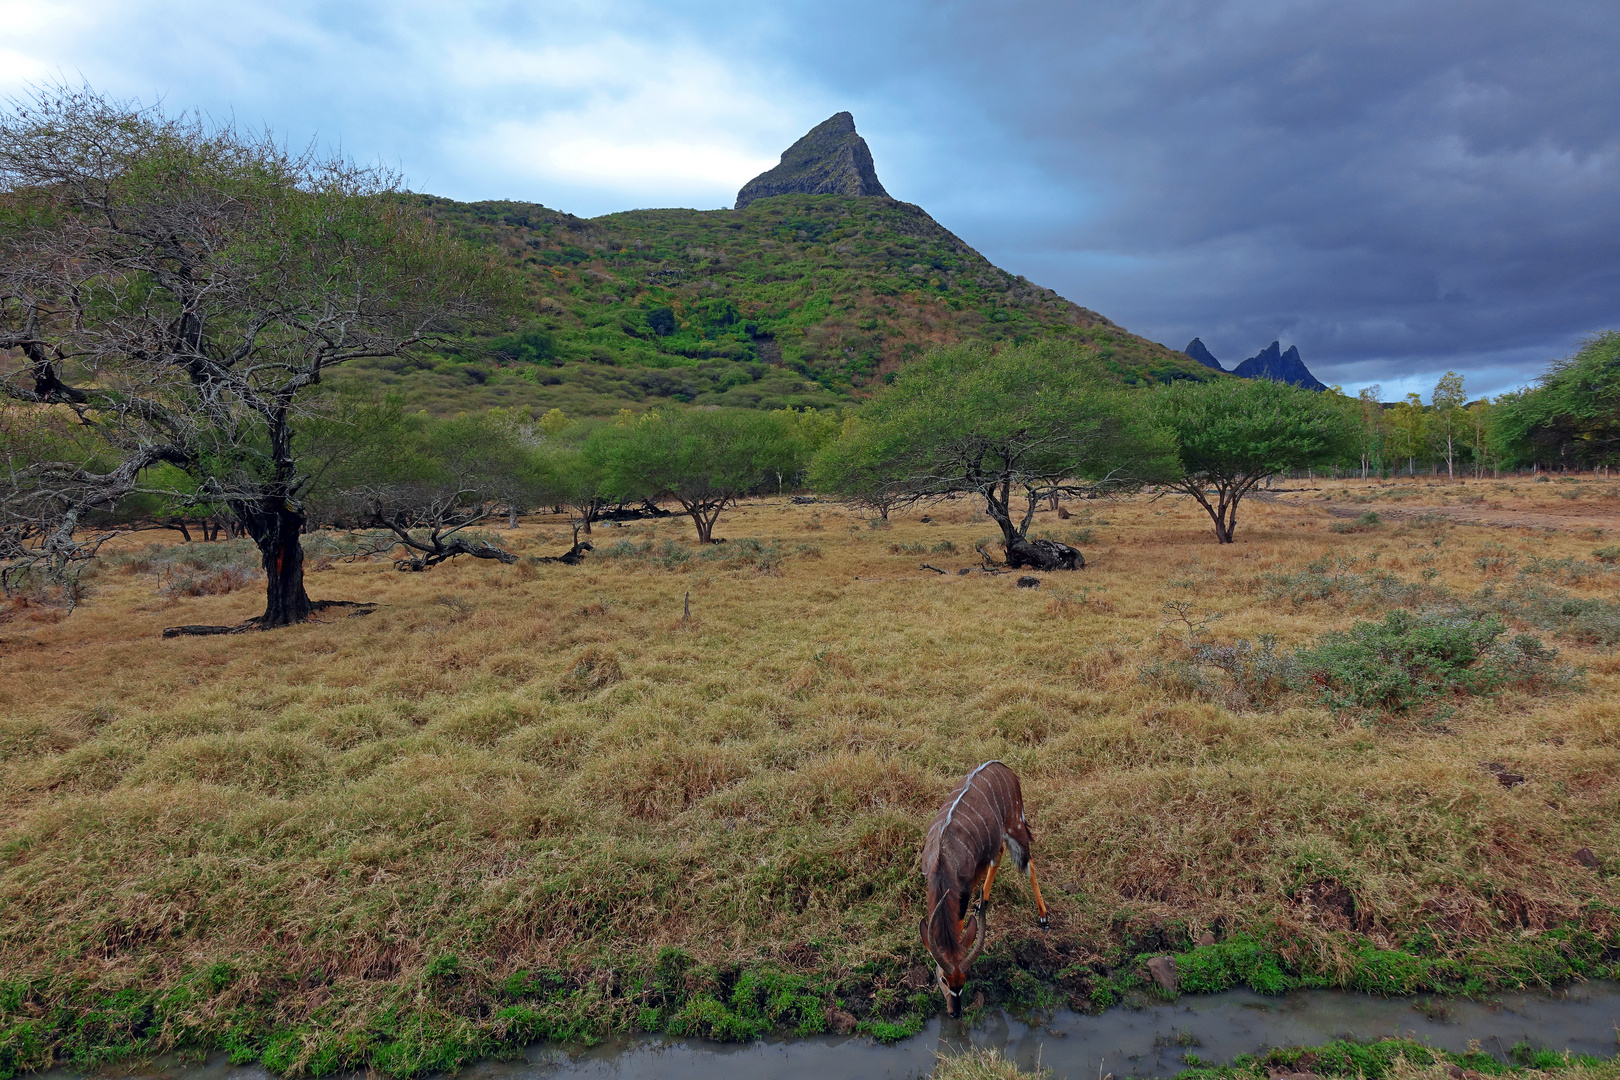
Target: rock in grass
1588	858
1027	582
1163	970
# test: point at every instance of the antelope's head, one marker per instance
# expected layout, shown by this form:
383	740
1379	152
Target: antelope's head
951	972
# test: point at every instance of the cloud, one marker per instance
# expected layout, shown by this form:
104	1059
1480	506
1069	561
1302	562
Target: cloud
624	119
1399	187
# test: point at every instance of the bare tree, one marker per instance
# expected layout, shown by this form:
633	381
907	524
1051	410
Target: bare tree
176	287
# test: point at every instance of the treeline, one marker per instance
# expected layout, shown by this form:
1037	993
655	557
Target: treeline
1569	420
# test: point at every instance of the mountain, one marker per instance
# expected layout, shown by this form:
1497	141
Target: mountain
794	300
1198	352
830	160
1286	367
1269	363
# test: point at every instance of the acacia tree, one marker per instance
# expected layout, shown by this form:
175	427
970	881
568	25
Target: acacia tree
704	459
178	287
1013	428
1233	434
858	467
573	458
419	480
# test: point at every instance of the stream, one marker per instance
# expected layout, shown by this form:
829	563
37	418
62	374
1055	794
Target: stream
1147	1042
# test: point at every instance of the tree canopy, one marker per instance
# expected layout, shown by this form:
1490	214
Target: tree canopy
704	459
1013	427
1231	434
178	287
1572	417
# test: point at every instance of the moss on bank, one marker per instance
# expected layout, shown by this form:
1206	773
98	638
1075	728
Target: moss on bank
446	1017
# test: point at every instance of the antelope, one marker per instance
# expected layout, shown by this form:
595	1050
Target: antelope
983	817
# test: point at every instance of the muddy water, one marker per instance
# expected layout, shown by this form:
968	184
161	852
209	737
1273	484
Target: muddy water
1146	1042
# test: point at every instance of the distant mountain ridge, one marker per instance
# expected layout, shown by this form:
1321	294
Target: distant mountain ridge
1269	363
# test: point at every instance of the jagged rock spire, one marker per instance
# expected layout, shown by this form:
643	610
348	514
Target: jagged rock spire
830	160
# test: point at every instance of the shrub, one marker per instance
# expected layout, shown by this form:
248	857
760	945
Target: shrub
745	554
1494	558
1565	571
1334	581
1413	659
1365	523
1241	675
1610	554
1587	620
665	554
226	579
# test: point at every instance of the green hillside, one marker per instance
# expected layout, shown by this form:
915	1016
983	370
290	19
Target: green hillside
798	300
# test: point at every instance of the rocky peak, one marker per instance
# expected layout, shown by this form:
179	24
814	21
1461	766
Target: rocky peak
1269	363
1272	363
1199	352
830	160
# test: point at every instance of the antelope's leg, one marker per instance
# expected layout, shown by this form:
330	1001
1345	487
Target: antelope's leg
989	878
1040	905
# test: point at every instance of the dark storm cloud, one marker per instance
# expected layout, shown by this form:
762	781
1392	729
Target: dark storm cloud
1398	188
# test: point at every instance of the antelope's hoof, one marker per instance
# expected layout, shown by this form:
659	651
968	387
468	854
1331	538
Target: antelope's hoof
1045	925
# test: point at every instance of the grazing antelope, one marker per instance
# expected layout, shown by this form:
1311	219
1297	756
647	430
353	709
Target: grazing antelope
984	815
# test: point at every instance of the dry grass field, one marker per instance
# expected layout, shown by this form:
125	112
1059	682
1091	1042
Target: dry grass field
535	800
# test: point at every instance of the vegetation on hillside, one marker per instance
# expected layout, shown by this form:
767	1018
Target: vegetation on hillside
796	301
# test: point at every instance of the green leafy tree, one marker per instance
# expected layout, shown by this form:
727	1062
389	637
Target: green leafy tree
1373	430
1410	423
1481	436
574	460
1233	434
863	468
423	480
1572	417
1013	427
181	287
704	459
1448	422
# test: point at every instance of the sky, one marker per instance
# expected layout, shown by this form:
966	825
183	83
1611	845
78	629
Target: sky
1398	187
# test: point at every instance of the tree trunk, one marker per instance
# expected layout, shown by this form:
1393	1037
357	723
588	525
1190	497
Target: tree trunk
276	524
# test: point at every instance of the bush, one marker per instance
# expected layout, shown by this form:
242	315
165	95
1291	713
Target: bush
1334	581
1414	659
1365	523
1587	620
1565	571
745	554
1610	554
666	554
1242	675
